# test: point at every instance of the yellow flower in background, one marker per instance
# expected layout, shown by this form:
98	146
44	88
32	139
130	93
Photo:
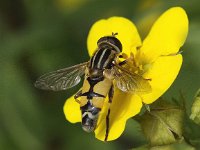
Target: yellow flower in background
156	58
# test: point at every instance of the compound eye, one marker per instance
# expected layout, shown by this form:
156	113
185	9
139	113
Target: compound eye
102	39
110	41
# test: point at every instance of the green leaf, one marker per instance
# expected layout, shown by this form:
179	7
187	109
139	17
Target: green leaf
163	124
195	110
181	144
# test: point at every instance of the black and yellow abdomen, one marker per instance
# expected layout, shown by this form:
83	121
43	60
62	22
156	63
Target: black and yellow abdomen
96	86
94	92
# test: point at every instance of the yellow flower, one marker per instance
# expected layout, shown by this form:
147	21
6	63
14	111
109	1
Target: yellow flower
156	58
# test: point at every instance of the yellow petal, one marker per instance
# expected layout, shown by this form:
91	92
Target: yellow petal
127	33
72	110
167	35
162	74
123	107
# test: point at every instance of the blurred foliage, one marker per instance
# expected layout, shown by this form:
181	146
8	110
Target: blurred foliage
44	35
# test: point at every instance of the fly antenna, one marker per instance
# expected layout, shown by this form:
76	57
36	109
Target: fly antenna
114	34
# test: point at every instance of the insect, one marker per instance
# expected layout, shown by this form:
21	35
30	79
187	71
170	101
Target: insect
102	73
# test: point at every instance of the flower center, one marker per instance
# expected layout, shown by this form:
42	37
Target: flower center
133	65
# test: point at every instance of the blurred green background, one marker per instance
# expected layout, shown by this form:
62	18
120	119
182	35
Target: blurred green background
39	36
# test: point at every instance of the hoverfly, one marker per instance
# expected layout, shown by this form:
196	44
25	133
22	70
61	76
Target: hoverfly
102	73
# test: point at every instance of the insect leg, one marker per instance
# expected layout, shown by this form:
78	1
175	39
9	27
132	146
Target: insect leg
110	97
127	58
123	55
122	63
78	94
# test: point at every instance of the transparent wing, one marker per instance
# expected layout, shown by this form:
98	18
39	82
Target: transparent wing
130	82
61	79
